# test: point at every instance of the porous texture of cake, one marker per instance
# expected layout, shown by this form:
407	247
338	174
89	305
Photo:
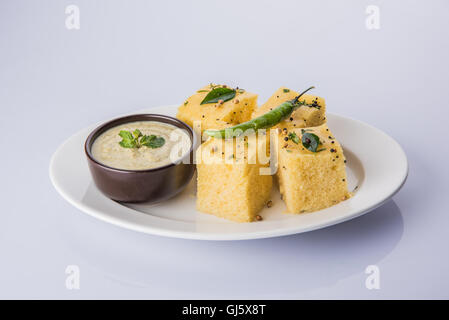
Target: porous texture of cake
304	116
230	184
311	181
216	115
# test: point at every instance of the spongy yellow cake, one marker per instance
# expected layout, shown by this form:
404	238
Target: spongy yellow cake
304	116
310	181
217	115
231	181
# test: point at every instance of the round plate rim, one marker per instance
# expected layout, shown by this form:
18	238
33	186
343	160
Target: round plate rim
218	236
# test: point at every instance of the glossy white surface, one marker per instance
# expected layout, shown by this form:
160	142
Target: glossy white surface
377	176
127	57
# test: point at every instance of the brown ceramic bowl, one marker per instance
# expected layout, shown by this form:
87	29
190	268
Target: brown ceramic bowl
152	185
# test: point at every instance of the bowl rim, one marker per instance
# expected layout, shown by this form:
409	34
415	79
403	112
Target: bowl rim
135	117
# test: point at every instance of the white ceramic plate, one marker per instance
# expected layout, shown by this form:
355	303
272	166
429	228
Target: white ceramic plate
376	165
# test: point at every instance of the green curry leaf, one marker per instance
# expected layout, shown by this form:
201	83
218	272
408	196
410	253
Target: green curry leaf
310	141
218	94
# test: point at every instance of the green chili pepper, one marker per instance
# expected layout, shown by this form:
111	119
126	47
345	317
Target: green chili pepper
265	121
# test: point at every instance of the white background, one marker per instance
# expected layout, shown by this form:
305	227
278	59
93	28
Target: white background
130	55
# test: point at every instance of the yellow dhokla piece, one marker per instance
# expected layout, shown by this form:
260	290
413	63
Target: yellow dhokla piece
311	181
230	184
304	116
216	115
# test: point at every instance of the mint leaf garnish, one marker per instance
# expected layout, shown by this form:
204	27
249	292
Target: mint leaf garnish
157	142
137	133
136	139
128	143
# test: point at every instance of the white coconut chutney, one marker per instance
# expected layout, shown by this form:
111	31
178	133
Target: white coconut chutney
107	150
